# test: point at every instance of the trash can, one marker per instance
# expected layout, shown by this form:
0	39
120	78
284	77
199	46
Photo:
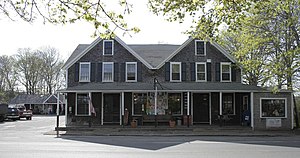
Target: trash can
179	122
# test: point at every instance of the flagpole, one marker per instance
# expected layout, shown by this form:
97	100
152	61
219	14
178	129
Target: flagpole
57	115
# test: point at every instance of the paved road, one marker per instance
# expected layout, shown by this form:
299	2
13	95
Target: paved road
26	139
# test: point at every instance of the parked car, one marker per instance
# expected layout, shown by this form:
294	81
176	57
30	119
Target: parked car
3	111
13	114
23	113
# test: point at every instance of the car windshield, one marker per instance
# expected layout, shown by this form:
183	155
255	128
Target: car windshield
12	109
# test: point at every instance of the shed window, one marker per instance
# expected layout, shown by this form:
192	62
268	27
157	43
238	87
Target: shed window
273	107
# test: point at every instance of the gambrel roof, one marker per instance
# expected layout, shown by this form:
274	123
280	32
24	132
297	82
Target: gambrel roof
154	56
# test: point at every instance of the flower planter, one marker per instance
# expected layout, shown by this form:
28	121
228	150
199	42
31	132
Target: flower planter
172	123
133	123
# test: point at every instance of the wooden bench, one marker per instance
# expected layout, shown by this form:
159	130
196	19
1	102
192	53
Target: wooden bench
160	118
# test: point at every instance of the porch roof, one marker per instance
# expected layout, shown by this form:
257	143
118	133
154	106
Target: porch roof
196	86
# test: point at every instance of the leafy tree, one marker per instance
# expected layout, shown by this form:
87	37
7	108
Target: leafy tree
28	67
8	73
103	15
51	69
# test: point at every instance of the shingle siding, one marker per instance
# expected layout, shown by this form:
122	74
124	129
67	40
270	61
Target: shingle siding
260	123
121	55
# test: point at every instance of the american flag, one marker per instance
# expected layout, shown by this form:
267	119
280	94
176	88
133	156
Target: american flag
92	109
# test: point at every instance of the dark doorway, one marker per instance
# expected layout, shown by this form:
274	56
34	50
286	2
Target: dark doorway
200	108
111	108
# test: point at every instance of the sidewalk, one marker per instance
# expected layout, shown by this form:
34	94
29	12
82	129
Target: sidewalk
167	131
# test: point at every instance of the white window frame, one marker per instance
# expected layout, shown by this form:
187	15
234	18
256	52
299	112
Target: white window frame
205	71
233	103
83	63
196	53
112	78
76	113
171	65
221	71
112	51
135	64
285	108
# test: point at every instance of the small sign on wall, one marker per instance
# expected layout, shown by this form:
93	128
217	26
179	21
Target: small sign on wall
273	122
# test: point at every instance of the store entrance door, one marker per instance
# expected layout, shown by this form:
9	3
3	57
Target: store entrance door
200	108
111	108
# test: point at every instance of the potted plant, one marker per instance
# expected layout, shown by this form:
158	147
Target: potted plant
172	122
133	123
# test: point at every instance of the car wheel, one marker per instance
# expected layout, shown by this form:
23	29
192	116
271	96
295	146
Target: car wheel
27	118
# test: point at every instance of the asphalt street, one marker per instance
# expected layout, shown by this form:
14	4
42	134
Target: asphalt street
27	139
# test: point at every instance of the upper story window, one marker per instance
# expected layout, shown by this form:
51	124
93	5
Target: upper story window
107	71
108	47
200	48
84	72
201	71
175	71
131	71
226	72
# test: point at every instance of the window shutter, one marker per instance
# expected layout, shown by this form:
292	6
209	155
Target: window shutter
167	71
93	72
193	73
122	72
116	72
99	72
208	67
218	72
139	72
233	72
183	71
76	77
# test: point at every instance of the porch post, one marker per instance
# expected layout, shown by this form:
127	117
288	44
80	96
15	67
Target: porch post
122	109
155	101
220	105
66	108
188	109
252	110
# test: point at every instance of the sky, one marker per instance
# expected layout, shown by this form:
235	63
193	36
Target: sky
65	38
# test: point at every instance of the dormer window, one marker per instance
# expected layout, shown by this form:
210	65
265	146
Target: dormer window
226	72
84	72
108	47
200	48
131	71
175	71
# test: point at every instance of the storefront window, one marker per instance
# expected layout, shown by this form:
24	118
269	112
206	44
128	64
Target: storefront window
273	107
82	104
228	106
162	105
174	103
139	103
